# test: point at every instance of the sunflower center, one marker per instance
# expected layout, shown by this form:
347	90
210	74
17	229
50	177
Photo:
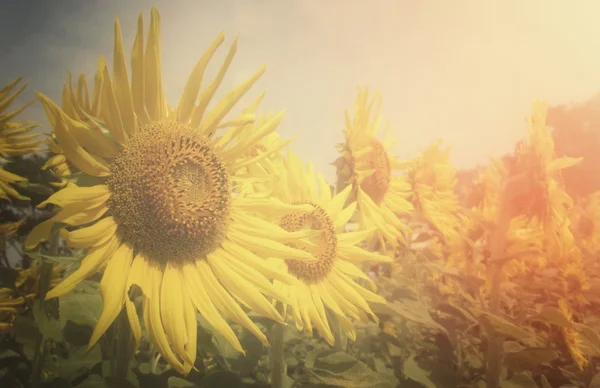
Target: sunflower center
323	246
376	185
170	193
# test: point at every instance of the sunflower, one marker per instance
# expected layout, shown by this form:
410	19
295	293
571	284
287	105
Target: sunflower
368	169
14	139
537	170
433	178
331	282
162	215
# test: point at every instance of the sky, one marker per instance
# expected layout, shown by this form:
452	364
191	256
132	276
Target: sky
465	71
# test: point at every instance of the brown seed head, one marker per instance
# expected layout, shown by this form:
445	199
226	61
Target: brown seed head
170	193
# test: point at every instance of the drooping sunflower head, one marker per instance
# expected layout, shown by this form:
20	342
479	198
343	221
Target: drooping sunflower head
330	283
366	166
154	205
432	178
15	139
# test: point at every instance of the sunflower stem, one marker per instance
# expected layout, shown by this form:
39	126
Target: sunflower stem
50	308
122	347
341	341
276	355
495	265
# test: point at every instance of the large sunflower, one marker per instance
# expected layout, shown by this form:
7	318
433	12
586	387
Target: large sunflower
329	283
162	215
15	139
368	169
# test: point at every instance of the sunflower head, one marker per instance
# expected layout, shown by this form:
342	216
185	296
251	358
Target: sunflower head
324	246
329	283
366	167
170	193
154	203
534	183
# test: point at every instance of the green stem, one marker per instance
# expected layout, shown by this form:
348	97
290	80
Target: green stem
276	355
47	307
497	248
341	341
122	346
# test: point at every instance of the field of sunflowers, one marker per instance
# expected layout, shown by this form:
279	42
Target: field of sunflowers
188	246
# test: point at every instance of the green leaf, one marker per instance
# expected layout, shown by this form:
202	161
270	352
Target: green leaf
65	261
499	324
178	382
520	380
528	359
49	327
338	368
552	315
545	383
414	372
452	309
595	383
412	310
83	305
93	381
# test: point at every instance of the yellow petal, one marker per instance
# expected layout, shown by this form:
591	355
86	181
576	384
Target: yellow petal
86	162
122	89
93	262
207	94
138	74
225	303
222	108
153	92
92	235
205	306
172	311
113	290
190	91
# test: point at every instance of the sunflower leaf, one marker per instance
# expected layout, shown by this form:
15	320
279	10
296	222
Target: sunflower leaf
338	368
520	380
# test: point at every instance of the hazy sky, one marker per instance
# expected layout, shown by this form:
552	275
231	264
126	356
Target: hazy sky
465	71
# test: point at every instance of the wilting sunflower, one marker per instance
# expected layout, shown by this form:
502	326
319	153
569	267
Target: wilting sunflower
329	283
15	139
367	167
432	178
162	215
